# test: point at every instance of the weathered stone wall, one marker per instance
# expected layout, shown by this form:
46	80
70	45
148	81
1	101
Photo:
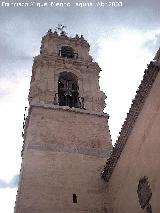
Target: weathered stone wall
64	154
140	157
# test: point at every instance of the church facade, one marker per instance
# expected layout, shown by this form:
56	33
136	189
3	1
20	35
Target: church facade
68	162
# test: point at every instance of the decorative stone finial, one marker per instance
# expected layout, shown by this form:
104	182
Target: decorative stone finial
76	36
82	37
55	33
49	31
63	33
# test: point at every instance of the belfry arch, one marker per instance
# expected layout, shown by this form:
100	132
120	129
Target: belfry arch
68	90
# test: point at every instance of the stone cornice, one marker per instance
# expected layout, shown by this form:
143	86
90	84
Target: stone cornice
136	107
55	60
66	108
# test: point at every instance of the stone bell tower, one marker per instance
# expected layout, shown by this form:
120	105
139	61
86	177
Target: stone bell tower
66	134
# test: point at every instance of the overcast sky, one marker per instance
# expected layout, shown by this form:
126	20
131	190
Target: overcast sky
123	40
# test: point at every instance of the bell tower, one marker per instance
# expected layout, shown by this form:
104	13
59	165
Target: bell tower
66	134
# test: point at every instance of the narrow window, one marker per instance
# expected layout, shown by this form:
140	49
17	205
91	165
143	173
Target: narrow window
67	51
74	198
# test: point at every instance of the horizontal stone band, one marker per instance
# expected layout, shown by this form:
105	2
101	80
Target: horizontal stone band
69	149
67	108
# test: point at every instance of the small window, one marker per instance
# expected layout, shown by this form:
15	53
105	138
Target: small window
74	198
67	51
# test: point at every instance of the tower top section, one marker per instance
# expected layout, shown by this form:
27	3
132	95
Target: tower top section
58	42
64	75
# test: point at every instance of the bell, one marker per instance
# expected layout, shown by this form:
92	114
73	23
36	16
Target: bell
68	93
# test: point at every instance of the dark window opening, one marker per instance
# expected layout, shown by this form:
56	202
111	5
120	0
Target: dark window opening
74	198
67	51
144	194
68	94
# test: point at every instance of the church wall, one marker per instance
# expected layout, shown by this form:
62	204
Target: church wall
63	156
139	158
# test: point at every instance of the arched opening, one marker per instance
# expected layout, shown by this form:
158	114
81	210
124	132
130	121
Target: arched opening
67	51
68	90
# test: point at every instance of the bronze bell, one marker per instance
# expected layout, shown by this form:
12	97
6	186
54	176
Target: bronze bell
68	93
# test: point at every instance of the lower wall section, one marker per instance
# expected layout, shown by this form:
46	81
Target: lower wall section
64	154
49	180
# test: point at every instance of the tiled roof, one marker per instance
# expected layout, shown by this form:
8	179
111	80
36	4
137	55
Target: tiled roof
149	77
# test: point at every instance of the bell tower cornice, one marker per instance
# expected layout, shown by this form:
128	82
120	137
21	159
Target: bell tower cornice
53	61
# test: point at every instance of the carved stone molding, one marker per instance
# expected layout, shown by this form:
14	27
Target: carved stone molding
66	108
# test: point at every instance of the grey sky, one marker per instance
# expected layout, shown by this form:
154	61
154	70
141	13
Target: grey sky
10	184
22	28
